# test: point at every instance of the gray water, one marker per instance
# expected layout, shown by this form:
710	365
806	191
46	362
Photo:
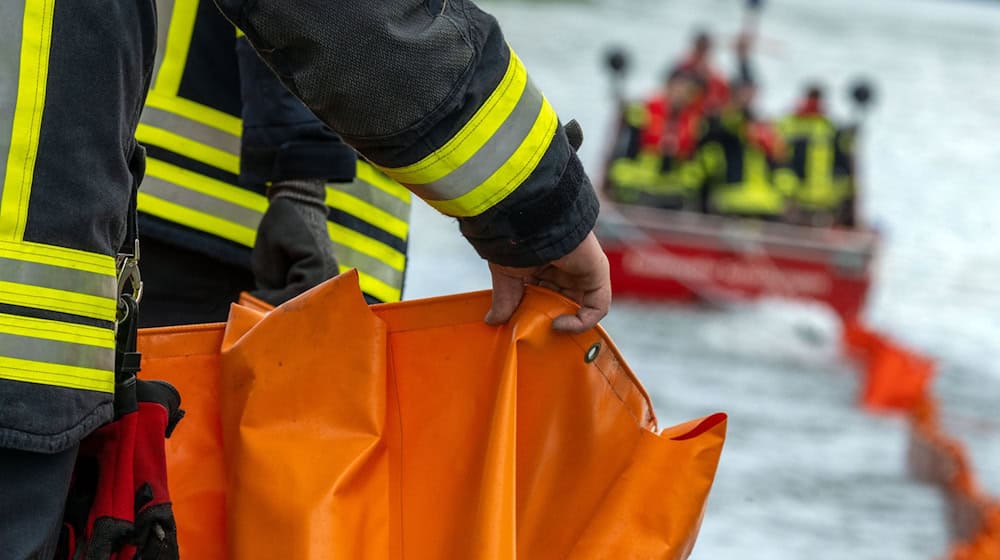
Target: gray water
804	472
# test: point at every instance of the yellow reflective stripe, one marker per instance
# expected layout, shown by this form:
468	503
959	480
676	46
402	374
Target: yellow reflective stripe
57	331
175	53
480	128
60	375
148	134
197	220
366	245
367	212
196	112
819	161
205	185
58	256
61	301
26	128
369	174
375	287
510	176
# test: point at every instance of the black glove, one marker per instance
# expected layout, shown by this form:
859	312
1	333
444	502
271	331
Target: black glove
293	251
574	133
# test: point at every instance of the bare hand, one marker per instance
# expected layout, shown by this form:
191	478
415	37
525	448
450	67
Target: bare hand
582	275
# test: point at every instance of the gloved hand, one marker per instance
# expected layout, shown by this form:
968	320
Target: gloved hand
293	251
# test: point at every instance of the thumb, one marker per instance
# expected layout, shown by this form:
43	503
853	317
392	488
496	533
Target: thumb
507	294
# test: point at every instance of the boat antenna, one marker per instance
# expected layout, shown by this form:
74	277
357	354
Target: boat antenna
862	94
616	62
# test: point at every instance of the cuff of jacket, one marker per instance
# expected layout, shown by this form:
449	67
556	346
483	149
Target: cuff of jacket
297	160
534	230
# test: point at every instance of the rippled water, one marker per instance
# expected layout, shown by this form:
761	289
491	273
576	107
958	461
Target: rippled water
804	472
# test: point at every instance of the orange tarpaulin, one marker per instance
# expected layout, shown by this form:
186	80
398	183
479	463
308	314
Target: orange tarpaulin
331	429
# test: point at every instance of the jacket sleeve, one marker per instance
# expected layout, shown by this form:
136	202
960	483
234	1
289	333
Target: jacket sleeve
432	94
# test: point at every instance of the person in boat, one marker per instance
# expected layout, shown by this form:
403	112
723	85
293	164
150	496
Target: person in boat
699	61
818	166
658	138
409	100
736	159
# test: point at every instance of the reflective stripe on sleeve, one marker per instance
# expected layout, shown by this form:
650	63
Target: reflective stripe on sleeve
57	279
368	174
491	155
56	353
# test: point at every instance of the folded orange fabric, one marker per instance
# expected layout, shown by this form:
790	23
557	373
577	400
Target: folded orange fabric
330	429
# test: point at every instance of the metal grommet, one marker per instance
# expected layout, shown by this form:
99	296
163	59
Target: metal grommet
592	352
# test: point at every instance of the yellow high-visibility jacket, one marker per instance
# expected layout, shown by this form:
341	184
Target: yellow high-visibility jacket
817	169
205	181
737	176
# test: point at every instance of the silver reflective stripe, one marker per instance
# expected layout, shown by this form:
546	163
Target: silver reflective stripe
57	278
492	156
370	265
11	23
375	196
56	352
193	130
164	11
195	200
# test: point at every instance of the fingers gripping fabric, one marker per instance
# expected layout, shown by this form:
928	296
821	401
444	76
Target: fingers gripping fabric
414	430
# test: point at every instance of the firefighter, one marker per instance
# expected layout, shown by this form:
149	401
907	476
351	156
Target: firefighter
204	199
659	136
698	60
817	170
736	159
430	92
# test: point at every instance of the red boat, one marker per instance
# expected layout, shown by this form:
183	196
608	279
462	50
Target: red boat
685	256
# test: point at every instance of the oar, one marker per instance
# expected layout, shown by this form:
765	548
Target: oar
751	17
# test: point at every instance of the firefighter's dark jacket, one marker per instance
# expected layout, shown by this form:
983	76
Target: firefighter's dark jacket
428	91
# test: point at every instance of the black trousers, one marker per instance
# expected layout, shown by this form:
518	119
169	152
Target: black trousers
33	488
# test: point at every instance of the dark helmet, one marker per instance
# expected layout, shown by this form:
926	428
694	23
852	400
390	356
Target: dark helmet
814	91
702	41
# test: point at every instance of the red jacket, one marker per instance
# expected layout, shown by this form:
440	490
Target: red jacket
717	90
670	131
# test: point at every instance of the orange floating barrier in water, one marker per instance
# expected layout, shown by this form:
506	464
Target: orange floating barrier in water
895	378
331	429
